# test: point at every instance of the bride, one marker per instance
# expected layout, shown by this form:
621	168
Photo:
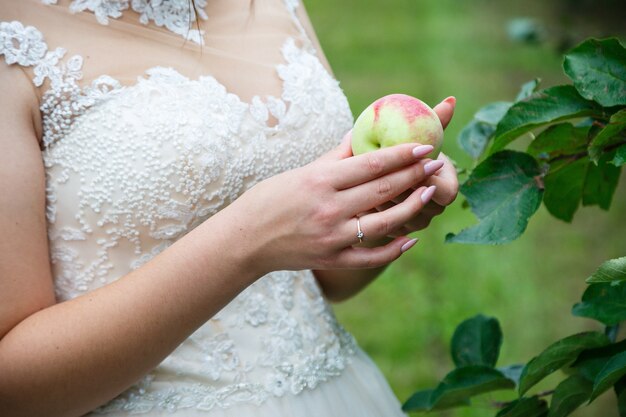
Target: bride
178	209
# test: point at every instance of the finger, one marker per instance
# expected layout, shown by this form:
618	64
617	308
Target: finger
381	224
420	222
344	150
446	181
399	199
445	110
432	209
363	257
403	231
374	193
363	168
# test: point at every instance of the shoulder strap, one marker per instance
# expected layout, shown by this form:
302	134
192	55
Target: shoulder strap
292	7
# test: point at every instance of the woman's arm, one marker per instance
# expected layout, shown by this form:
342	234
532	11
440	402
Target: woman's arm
339	285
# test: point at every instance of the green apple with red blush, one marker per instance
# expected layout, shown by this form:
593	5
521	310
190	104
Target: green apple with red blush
396	119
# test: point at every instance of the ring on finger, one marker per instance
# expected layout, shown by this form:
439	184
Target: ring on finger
359	234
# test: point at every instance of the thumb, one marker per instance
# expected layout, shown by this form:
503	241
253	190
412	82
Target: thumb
445	110
343	151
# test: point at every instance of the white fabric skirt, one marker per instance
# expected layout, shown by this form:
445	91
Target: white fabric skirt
360	391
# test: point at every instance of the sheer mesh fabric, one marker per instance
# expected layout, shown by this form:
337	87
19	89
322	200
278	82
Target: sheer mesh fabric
242	43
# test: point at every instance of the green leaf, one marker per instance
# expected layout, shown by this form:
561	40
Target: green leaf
557	356
504	193
546	106
564	186
604	302
591	361
492	113
569	395
601	182
620	392
474	137
608	135
614	369
477	341
620	156
420	401
525	407
528	89
559	140
598	70
468	381
611	270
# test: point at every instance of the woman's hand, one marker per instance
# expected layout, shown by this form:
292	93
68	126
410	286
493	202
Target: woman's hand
306	218
339	285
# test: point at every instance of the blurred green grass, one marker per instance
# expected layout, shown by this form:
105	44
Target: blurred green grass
432	49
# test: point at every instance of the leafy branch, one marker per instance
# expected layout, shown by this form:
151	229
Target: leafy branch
575	157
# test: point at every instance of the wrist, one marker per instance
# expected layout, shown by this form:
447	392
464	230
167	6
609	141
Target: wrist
225	241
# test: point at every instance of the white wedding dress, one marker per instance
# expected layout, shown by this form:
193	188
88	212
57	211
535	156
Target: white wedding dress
146	135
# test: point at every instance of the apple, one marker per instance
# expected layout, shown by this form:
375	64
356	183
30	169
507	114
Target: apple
395	119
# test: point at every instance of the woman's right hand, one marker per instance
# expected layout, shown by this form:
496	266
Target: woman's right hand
306	218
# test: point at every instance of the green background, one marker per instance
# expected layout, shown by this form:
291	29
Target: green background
432	49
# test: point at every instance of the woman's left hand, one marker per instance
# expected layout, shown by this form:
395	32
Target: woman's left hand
445	180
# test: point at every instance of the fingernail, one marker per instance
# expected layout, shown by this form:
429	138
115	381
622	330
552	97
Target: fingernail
451	101
408	245
431	167
422	150
428	194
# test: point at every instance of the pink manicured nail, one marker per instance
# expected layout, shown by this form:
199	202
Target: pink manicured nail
451	101
408	245
428	194
431	167
422	150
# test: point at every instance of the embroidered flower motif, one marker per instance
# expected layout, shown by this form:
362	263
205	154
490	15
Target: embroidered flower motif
47	67
21	45
276	384
175	15
103	9
256	310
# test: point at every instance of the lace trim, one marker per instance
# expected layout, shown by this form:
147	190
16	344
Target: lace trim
175	15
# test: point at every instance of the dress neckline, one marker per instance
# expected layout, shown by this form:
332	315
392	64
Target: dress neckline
175	15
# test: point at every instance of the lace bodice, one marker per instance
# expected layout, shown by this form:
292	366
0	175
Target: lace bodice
133	166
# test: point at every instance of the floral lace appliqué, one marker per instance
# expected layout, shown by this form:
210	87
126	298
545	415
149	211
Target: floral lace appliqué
175	15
